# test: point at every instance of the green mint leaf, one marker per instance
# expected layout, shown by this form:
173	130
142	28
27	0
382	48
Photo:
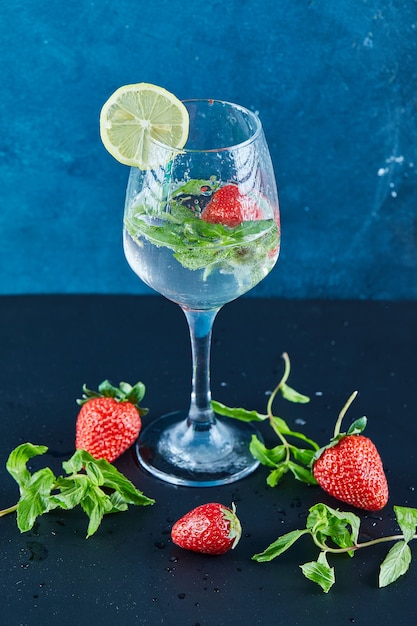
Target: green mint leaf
193	187
269	457
280	426
292	395
302	456
318	516
110	477
18	458
95	504
341	527
118	502
94	473
407	521
35	498
71	491
76	463
237	413
350	522
339	531
113	479
160	232
302	474
279	546
203	233
320	572
276	474
206	258
395	564
178	213
276	454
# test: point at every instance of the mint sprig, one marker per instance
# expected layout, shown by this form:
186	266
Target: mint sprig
198	244
287	456
336	533
96	485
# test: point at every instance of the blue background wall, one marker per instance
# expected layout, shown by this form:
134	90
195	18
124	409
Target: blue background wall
334	83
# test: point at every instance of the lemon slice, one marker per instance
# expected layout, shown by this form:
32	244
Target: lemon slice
136	114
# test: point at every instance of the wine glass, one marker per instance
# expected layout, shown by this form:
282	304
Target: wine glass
201	227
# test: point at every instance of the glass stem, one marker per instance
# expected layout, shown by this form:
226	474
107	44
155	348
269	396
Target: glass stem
200	324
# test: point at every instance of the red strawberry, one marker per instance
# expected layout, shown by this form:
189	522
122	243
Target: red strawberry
352	471
350	468
210	528
109	421
230	208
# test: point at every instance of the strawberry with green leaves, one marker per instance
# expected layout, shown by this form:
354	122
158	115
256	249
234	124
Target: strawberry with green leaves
210	529
230	208
109	421
350	468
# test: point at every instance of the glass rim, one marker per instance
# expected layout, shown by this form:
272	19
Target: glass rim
250	114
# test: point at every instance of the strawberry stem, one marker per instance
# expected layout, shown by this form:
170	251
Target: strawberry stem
343	413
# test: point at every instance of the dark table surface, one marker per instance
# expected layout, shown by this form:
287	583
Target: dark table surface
130	571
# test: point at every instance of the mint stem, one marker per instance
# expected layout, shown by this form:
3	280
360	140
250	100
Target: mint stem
275	427
283	380
272	397
11	509
358	546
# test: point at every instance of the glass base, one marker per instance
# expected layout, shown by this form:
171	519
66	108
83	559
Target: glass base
182	453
